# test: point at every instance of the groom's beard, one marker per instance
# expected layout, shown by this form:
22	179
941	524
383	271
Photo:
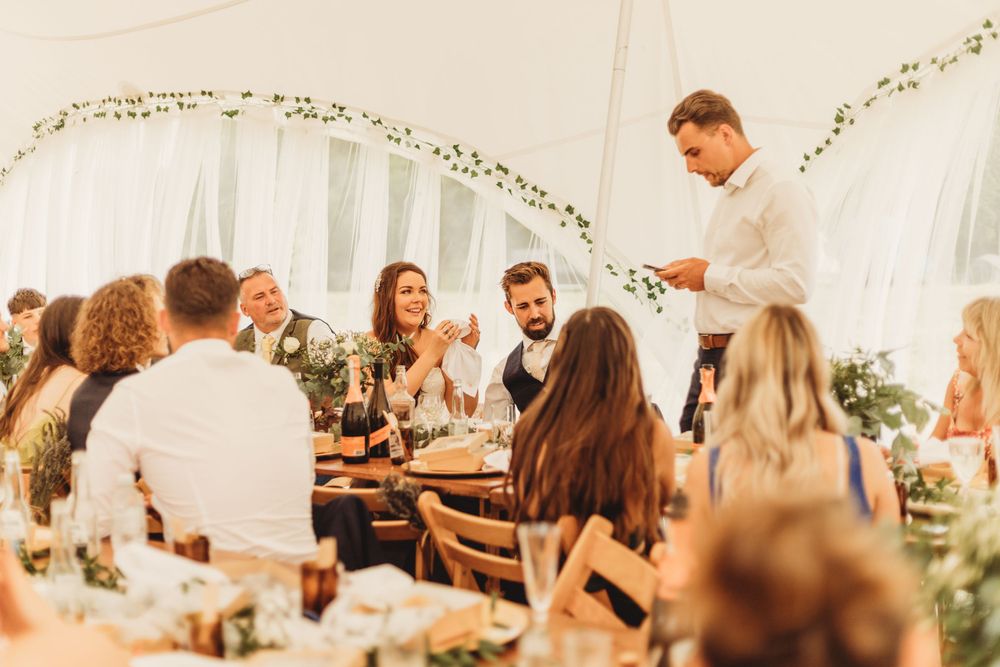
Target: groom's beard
539	334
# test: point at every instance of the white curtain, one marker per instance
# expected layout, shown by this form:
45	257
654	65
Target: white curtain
909	229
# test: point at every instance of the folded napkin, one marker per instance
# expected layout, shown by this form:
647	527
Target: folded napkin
500	459
462	362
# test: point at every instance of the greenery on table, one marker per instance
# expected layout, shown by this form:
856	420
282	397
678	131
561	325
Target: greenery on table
13	361
964	582
910	75
325	375
50	466
400	495
94	573
464	657
862	383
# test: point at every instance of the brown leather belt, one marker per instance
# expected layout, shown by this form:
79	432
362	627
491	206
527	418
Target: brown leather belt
713	341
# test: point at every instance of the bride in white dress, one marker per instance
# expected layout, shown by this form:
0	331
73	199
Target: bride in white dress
402	303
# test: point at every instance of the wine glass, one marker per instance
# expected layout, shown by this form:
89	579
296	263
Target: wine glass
539	545
966	455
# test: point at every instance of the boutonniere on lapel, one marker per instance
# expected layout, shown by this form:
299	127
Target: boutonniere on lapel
290	347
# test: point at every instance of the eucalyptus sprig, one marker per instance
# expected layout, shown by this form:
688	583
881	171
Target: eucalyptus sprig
325	375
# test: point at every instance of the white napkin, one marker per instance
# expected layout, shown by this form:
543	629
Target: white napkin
143	565
932	451
382	590
462	362
500	459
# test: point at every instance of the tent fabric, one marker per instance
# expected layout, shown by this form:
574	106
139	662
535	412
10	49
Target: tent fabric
526	83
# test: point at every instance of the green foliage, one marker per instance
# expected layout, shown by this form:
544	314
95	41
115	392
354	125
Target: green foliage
13	361
463	657
862	383
50	466
400	495
910	74
462	161
325	373
964	583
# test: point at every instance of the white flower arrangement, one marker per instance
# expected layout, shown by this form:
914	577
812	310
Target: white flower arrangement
290	345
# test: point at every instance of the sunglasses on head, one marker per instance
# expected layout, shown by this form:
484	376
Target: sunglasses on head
254	270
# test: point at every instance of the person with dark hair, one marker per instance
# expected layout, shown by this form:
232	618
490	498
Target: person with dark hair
222	438
44	390
115	336
591	443
273	322
402	305
761	242
520	376
25	308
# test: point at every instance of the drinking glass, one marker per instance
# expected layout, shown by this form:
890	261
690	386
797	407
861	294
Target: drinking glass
539	545
502	417
966	455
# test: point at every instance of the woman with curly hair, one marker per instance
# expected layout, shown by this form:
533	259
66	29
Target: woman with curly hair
115	336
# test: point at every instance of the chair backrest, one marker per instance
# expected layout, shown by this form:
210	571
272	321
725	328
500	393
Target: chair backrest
446	526
386	530
597	552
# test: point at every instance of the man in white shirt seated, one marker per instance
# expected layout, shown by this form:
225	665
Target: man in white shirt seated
222	439
520	376
274	322
761	243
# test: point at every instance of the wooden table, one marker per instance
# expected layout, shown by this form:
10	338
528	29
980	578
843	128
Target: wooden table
482	488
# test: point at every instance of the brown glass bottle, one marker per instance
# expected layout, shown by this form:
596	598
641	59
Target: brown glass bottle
706	400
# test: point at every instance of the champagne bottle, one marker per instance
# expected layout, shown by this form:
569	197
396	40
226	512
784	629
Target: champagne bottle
378	404
403	407
702	424
354	428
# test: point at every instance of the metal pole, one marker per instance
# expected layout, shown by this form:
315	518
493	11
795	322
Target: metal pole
610	147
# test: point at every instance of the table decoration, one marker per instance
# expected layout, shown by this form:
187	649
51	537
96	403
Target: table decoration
13	361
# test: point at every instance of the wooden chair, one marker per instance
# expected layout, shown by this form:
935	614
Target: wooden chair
386	530
597	552
446	526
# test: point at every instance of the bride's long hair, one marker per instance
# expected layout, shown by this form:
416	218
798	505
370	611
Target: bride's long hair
775	396
384	324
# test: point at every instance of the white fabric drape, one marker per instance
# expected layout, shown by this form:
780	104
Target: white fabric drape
897	194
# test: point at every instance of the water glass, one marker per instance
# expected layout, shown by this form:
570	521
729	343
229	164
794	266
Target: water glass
502	417
539	545
966	455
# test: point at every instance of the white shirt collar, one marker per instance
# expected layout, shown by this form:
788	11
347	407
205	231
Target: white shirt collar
552	337
203	346
739	178
258	334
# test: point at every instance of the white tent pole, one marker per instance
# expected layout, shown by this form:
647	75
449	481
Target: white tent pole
610	147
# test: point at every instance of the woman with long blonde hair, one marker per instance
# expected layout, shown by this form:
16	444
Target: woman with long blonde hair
778	429
972	398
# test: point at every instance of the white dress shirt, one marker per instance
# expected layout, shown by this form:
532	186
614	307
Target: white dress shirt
762	245
535	359
318	330
222	439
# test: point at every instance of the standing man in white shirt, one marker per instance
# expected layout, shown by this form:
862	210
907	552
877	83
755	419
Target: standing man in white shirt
222	439
520	376
761	243
263	301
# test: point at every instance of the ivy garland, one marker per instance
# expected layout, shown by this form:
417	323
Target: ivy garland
911	73
464	161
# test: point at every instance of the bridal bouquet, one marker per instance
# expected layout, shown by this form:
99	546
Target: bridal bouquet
325	376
